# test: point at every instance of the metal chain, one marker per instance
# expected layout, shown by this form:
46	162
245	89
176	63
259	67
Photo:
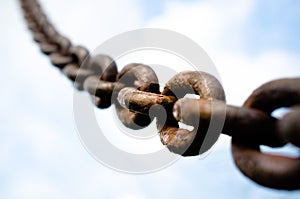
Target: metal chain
135	92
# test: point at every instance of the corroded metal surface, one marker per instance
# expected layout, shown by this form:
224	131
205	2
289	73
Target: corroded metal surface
270	170
142	78
135	92
289	127
142	102
179	140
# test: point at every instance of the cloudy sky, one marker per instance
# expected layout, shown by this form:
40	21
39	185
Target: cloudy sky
250	42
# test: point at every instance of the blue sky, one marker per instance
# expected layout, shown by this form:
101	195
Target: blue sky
251	42
156	7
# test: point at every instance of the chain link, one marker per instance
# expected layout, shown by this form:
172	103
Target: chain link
135	93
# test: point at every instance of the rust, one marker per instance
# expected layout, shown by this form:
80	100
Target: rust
142	102
33	26
184	142
143	78
48	48
275	94
59	60
289	127
257	126
39	37
49	31
104	66
77	75
137	89
101	85
101	102
178	140
79	54
64	44
41	19
195	82
100	88
269	170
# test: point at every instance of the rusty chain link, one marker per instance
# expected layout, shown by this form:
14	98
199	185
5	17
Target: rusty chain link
135	91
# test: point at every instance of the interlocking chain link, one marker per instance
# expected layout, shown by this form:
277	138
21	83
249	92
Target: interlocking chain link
135	92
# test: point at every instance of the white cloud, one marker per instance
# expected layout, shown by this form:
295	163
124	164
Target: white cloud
33	187
91	22
218	27
204	21
242	73
133	196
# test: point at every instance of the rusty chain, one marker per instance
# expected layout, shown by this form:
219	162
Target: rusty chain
135	90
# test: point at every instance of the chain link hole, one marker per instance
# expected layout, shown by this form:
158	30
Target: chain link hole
288	150
280	112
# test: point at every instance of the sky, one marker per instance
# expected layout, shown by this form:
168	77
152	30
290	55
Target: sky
250	41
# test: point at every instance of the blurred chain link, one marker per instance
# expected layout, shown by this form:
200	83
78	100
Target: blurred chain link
135	92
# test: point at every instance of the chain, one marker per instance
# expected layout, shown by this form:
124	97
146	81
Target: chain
135	92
